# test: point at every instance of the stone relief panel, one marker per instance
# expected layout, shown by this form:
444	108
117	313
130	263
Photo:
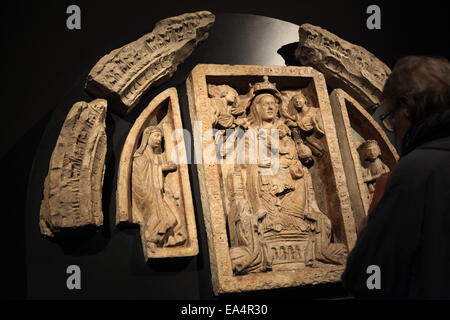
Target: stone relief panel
73	186
128	72
344	65
153	188
366	151
275	197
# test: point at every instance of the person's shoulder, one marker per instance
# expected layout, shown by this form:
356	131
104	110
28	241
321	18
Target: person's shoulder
423	161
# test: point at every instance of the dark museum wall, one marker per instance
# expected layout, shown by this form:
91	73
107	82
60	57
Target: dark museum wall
44	67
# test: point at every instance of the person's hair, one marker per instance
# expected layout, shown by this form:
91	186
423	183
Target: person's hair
421	83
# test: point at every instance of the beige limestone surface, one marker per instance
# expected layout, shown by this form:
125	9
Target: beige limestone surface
368	151
274	229
73	186
344	65
153	188
126	73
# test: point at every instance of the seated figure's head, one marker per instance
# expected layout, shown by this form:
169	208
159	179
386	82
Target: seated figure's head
298	101
369	150
264	108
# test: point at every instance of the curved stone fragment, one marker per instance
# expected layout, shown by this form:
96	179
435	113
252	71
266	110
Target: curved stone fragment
73	186
344	65
355	127
127	72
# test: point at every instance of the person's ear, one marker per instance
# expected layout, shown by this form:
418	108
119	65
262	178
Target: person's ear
405	112
404	108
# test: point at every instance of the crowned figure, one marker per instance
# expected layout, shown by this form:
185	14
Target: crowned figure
292	231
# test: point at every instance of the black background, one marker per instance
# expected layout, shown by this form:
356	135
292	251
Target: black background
45	65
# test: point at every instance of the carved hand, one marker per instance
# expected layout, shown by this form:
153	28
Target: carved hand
169	167
379	191
261	213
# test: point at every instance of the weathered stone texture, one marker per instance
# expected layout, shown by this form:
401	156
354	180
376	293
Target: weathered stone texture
73	186
344	65
267	226
153	188
127	72
357	131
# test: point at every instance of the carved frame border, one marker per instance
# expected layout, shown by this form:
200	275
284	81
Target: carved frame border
222	276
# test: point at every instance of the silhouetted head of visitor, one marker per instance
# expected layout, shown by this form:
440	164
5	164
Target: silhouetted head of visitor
417	98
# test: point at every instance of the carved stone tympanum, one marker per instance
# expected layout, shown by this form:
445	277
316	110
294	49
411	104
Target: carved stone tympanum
365	149
274	192
344	65
73	187
153	187
127	73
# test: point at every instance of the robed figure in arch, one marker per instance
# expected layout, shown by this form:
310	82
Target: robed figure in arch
152	198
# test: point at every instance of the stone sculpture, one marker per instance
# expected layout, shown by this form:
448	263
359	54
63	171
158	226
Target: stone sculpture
373	166
152	196
344	65
284	201
128	72
354	127
153	187
73	187
275	200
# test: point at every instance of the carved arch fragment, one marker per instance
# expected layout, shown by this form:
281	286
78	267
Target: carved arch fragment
153	188
356	129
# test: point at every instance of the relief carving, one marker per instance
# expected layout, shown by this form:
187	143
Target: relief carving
152	197
127	73
270	201
363	144
282	202
153	188
373	167
344	65
73	186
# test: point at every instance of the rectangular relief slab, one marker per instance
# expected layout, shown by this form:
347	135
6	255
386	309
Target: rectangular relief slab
153	188
274	193
125	74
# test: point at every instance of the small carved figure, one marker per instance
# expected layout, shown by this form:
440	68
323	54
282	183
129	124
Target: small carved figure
225	106
308	121
152	197
251	253
373	167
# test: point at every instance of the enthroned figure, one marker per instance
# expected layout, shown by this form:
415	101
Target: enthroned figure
285	199
152	198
